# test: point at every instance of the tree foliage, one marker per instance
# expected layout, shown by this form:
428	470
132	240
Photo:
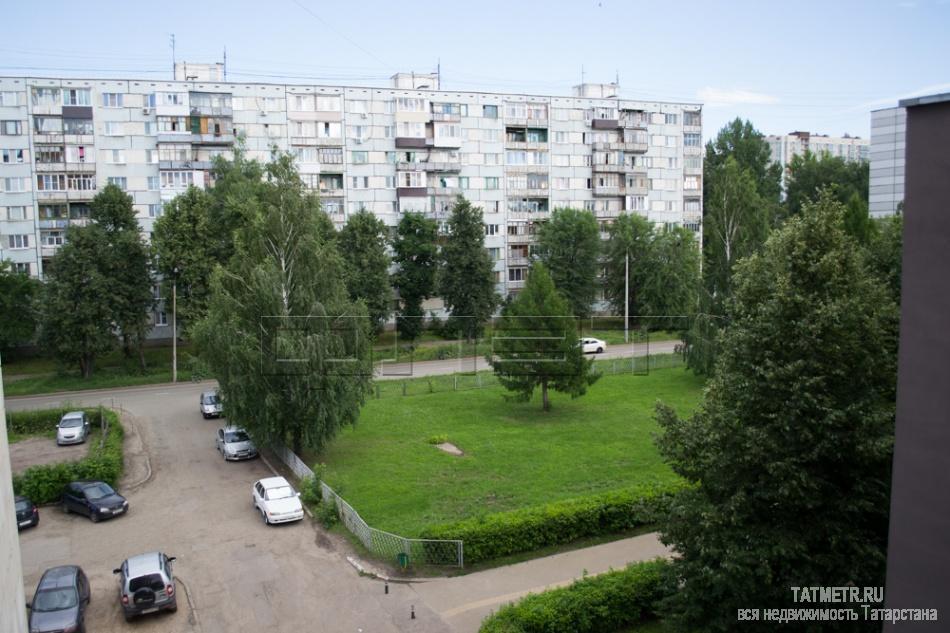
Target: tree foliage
569	246
416	257
281	335
363	246
536	343
743	143
809	173
18	307
885	250
466	280
663	271
790	450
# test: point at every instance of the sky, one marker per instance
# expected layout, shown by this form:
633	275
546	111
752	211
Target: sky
802	65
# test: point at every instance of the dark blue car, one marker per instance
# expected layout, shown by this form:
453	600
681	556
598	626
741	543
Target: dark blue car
60	601
96	499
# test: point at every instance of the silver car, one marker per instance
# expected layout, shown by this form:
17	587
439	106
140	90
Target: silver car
234	444
146	584
73	428
210	404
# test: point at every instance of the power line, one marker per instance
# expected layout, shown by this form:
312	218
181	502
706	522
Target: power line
324	22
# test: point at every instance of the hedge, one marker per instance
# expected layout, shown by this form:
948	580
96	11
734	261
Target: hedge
45	484
612	601
505	533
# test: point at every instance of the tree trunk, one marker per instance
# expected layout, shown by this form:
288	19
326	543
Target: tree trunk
141	350
296	442
85	365
545	403
126	346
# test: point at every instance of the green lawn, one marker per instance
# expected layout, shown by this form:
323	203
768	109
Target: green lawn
515	454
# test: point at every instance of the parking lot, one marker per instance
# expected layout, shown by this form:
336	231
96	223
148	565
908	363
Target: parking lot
235	573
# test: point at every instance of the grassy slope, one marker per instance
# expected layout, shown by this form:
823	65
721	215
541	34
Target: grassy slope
515	455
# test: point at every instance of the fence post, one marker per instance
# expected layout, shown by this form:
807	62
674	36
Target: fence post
403	388
377	391
455	382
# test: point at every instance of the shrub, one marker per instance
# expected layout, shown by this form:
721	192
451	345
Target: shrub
327	514
310	492
505	533
612	601
441	438
45	484
37	421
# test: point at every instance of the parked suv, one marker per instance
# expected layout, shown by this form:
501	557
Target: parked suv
95	499
27	514
73	428
234	443
60	601
210	404
146	584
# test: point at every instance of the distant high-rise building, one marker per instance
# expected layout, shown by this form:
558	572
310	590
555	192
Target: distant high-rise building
408	147
888	128
785	147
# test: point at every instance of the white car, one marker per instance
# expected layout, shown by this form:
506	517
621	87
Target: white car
210	404
593	346
277	501
73	428
234	444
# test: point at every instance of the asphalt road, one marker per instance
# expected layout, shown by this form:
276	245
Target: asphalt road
236	573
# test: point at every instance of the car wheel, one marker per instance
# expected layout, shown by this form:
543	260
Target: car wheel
128	617
600	350
65	508
264	516
94	516
174	607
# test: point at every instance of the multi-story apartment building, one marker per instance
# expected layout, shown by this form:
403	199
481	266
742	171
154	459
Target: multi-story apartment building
408	147
785	147
888	128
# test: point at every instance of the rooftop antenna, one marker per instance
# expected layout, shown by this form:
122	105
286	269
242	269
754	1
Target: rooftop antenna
438	72
225	63
173	55
582	74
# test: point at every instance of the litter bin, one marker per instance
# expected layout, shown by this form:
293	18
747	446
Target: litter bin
403	559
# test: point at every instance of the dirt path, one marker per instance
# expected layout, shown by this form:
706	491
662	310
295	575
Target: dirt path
35	451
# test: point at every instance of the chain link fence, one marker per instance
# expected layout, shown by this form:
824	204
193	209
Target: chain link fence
390	547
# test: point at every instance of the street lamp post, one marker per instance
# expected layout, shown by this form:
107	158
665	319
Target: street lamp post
175	324
626	298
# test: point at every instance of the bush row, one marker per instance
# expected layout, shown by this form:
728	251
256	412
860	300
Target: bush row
45	484
612	601
504	533
36	421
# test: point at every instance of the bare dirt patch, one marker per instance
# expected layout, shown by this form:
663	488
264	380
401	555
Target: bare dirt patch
450	448
37	451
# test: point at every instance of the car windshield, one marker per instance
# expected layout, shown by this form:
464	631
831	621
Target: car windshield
210	398
150	581
70	423
283	492
235	436
22	505
55	599
98	491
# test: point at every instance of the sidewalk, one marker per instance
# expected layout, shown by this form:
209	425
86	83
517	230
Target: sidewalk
464	601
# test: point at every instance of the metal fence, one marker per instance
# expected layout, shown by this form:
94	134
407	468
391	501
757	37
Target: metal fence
391	547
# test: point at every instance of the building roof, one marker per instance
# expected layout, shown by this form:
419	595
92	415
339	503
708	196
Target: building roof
925	100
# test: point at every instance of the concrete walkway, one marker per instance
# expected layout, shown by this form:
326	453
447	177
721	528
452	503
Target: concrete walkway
464	601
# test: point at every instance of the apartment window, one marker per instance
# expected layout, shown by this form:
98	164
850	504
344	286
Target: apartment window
411	129
155	210
491	182
490	111
517	274
302	103
45	96
18	241
113	128
170	124
494	254
537	111
157	291
410	104
491	229
463	182
358	107
413	179
116	156
151	156
174	152
669	119
150	128
672	141
516	111
693	162
152	183
119	181
52	238
149	100
81	182
9	99
389	131
76	97
176	179
305	154
672	162
493	159
637	203
161	319
360	158
11	128
13	155
389	106
53	212
692	140
51	182
22	268
16	213
691	183
111	99
692	205
692	118
328	103
331	155
47	125
79	211
491	135
390	182
78	126
359	182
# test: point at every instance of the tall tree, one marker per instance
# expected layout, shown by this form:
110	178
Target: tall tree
466	281
281	335
76	316
885	250
183	240
790	450
366	262
630	236
536	343
233	198
416	258
18	306
743	143
126	262
810	173
569	246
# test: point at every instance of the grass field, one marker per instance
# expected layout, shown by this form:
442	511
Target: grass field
515	454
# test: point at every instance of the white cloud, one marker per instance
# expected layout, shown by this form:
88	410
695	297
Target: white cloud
713	97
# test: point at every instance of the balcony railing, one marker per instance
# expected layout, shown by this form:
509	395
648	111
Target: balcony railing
608	190
609	168
516	285
212	139
604	124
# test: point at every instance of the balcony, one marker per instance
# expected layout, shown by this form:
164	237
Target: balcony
174	137
693	171
79	139
608	190
518	260
48	251
525	122
185	164
516	285
520	238
330	192
51	196
329	141
55	138
637	190
212	139
608	213
411	192
412	142
689	150
446	117
428	166
633	122
331	168
53	224
444	191
527	193
604	124
203	110
527	145
609	168
46	167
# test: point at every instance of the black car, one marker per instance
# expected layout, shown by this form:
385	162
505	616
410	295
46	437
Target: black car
27	514
95	499
60	601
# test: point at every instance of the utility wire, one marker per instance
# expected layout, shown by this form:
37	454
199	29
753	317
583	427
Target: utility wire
324	22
